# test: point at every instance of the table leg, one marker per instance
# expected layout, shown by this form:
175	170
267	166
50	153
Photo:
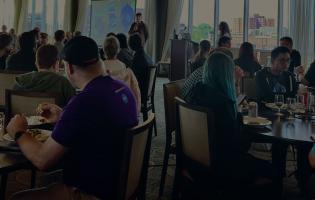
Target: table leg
4	179
33	178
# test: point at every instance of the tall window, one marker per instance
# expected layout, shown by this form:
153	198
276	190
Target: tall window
263	20
183	25
6	13
48	15
203	20
232	12
286	18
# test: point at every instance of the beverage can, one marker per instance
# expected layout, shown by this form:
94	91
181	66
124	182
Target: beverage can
252	109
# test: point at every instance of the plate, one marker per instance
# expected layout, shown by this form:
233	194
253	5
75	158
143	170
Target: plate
274	107
39	134
256	121
35	120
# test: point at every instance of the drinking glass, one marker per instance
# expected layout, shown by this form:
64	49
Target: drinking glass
291	106
279	101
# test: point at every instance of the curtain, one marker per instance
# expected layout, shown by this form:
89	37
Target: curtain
174	9
21	7
302	31
82	14
150	20
68	16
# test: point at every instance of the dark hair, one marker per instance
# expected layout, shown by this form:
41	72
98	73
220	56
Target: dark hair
60	35
288	39
43	35
223	40
139	14
204	47
46	56
135	42
111	34
279	50
77	33
122	40
223	50
246	51
5	40
27	40
35	32
224	28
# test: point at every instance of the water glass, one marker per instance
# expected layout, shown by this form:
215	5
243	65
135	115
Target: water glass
291	107
279	101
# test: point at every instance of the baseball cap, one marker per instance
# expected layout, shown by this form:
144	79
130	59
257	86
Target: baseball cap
81	51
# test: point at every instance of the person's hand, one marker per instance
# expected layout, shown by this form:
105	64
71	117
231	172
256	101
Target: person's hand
239	73
17	124
299	70
49	111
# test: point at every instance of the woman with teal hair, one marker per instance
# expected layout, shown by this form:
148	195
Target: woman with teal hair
217	92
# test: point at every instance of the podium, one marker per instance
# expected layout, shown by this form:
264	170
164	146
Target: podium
181	52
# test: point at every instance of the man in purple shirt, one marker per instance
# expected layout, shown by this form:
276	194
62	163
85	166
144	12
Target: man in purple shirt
88	136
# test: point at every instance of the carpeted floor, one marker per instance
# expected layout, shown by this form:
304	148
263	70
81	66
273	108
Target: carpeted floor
21	180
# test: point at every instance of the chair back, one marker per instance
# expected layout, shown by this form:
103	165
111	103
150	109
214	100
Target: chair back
24	102
7	80
171	90
152	73
194	135
248	87
133	176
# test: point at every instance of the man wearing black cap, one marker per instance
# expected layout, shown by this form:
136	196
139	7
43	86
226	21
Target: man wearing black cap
88	132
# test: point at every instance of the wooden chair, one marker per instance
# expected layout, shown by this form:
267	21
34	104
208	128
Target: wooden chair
148	103
170	90
248	87
133	176
7	80
194	142
23	102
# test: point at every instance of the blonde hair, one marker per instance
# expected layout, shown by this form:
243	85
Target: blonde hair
111	47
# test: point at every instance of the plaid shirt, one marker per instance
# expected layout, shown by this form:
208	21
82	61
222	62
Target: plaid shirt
190	83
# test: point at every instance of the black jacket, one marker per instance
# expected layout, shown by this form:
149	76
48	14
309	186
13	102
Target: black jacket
266	81
295	60
23	60
140	63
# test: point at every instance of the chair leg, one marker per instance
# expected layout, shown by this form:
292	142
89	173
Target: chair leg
153	110
164	169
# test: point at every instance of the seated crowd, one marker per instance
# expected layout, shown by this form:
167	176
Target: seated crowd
112	88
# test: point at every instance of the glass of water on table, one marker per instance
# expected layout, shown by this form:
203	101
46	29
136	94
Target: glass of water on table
279	101
291	107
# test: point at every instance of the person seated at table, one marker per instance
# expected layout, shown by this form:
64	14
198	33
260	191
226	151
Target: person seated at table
46	78
24	59
217	92
43	39
89	132
201	56
309	78
276	79
5	41
247	60
125	55
140	64
196	76
118	70
294	54
224	42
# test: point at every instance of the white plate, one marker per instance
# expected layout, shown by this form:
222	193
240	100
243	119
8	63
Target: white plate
256	121
35	120
41	138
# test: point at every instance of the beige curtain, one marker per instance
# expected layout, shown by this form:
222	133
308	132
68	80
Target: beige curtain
83	10
150	20
174	10
67	23
302	23
21	9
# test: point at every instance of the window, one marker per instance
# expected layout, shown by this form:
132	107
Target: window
183	25
203	21
232	12
286	18
263	19
48	15
140	7
6	13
